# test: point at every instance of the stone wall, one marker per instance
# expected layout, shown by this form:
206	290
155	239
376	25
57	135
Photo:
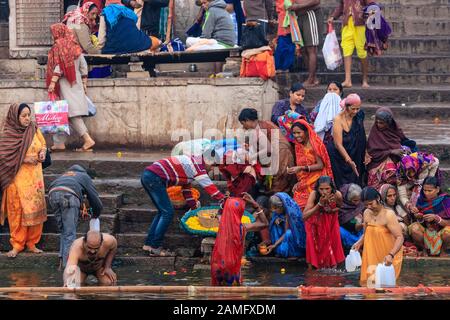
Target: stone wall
145	113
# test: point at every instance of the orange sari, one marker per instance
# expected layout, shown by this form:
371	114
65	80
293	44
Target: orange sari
23	201
306	156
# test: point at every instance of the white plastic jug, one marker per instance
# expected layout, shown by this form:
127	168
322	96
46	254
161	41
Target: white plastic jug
384	276
94	224
352	261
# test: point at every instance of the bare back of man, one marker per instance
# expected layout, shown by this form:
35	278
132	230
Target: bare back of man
93	255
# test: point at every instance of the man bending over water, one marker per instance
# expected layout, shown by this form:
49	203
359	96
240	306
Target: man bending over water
93	254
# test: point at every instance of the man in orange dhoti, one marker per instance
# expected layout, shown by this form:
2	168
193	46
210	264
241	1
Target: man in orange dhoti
22	151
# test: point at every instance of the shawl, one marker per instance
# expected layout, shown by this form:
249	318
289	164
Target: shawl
64	52
439	206
381	142
229	245
114	12
415	161
318	147
295	217
79	15
14	143
329	108
348	210
376	38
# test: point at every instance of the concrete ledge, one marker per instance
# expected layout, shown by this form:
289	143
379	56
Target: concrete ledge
146	112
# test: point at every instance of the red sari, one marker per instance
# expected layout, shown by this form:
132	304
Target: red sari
229	245
323	239
306	156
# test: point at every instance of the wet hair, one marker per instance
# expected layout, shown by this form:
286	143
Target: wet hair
21	107
299	125
370	194
276	201
92	6
340	87
297	87
431	181
323	179
354	190
248	114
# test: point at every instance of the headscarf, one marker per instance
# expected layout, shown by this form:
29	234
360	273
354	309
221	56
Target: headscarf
416	161
79	15
348	210
328	109
229	245
286	121
64	52
295	217
98	4
14	143
383	193
352	99
114	12
318	147
381	142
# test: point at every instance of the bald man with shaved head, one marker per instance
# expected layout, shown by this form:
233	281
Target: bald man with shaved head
92	254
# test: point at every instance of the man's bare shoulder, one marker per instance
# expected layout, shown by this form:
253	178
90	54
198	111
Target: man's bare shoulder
109	240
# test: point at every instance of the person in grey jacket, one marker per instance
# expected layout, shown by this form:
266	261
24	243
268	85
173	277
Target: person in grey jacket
66	195
218	29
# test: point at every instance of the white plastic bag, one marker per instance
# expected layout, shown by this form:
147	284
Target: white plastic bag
92	109
94	224
384	276
331	50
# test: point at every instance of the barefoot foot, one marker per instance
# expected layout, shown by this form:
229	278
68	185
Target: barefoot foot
347	84
13	253
34	250
365	85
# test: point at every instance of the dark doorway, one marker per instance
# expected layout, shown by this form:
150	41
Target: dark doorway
4	10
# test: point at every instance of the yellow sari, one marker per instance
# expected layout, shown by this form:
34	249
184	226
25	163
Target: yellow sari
378	241
23	201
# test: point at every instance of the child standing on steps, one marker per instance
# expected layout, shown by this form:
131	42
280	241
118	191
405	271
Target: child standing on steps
353	35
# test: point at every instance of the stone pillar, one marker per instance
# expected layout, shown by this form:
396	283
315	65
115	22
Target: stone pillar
206	248
29	26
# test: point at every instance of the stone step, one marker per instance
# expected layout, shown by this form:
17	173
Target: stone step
107	224
25	261
384	78
392	11
382	94
137	219
418	45
394	64
410	27
400	2
51	260
183	244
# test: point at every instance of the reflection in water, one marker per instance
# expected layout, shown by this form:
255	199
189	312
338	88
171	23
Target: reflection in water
255	275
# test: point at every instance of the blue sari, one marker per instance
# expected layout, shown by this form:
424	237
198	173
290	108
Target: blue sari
294	241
